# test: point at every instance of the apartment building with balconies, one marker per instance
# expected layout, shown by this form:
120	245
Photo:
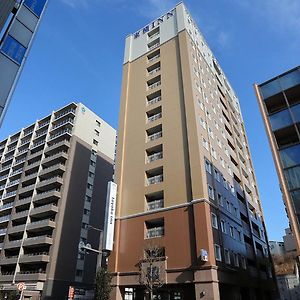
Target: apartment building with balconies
53	178
185	177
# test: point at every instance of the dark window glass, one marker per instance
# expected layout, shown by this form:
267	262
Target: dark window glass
290	156
286	136
280	120
270	89
296	200
290	80
35	5
293	177
13	49
296	112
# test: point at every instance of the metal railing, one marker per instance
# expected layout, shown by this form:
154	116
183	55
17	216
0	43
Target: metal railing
71	110
156	204
154	71
155	232
155	179
154	46
154	85
155	156
154	58
154	100
155	136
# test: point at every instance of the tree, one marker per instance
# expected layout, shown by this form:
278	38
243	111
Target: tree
9	295
152	269
103	284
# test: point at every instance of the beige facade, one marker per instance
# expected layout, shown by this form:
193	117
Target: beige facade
53	180
184	173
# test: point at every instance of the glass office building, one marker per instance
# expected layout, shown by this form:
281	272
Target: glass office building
279	100
19	21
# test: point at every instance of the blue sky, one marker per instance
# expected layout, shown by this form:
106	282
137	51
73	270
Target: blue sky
78	54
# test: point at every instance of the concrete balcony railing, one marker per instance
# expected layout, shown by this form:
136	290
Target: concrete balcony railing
156	204
16	229
23	201
50	181
64	122
155	232
66	112
154	100
155	179
9	195
55	167
154	85
6	277
13	244
54	146
35	154
4	219
154	71
155	156
33	226
26	189
8	260
38	240
154	136
20	215
44	210
3	231
154	118
35	257
31	276
154	58
58	155
33	165
55	194
7	206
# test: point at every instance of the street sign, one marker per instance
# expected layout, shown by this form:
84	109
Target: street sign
71	292
21	286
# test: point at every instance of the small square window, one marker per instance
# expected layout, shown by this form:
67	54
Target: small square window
92	163
95	142
88	198
98	123
89	186
97	132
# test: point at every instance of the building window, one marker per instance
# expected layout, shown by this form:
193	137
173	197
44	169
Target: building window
13	49
239	235
231	231
35	6
97	132
211	192
227	256
88	198
89	186
79	273
220	200
214	221
91	174
217	175
86	212
93	163
223	226
98	123
95	142
228	206
218	252
208	167
205	143
236	260
244	263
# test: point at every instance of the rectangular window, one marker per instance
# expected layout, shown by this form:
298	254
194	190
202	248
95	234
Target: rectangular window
220	200
218	252
217	176
88	198
91	174
231	231
244	263
95	142
236	260
98	123
211	192
228	206
223	226
86	212
227	256
97	132
35	6
13	49
79	273
89	186
214	221
92	163
208	167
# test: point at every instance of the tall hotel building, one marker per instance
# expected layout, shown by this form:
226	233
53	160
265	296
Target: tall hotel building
185	178
279	100
19	21
53	180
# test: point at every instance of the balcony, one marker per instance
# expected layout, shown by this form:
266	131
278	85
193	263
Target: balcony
154	100
10	260
18	171
35	257
40	225
66	112
3	177
7	277
38	240
24	142
153	46
23	201
69	121
40	134
19	161
156	204
26	189
155	232
8	159
3	231
154	117
56	167
154	71
65	144
50	183
154	85
9	195
14	182
155	179
44	124
59	156
42	211
47	196
16	229
154	136
60	133
37	144
30	177
20	215
154	157
34	155
31	276
6	206
4	219
32	165
13	244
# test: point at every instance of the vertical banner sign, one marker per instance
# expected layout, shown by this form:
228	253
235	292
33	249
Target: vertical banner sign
110	214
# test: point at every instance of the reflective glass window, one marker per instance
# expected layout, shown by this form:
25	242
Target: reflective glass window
296	200
290	80
35	5
280	120
296	112
290	156
13	49
270	89
292	176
